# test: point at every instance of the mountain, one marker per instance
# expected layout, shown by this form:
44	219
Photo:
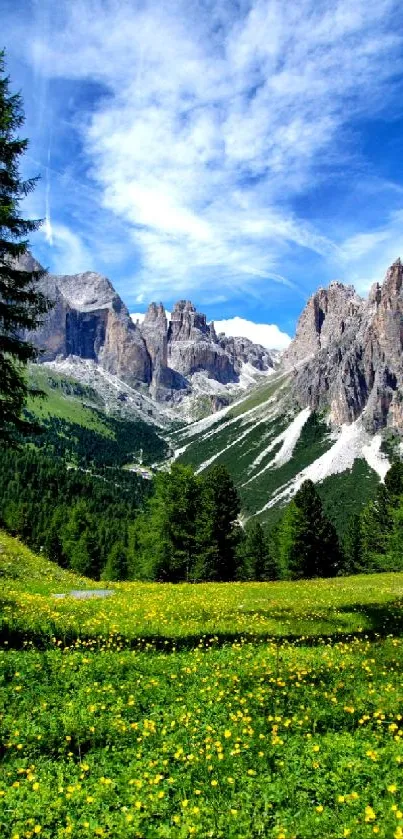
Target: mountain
330	413
89	334
347	353
329	409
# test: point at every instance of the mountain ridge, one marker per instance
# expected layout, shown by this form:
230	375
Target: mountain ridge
89	321
320	413
353	351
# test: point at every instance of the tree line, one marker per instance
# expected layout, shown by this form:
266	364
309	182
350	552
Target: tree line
73	516
112	524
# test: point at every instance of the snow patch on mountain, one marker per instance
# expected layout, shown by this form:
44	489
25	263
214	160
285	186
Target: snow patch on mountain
375	458
353	442
290	438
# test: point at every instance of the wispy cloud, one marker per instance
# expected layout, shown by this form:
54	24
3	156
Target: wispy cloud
212	120
369	254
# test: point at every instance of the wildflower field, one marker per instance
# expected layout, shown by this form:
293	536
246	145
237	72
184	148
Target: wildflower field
232	710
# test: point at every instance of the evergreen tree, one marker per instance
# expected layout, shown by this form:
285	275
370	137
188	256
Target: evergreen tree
284	543
308	543
116	564
79	542
376	525
394	482
393	561
219	531
166	536
52	543
353	562
256	560
21	303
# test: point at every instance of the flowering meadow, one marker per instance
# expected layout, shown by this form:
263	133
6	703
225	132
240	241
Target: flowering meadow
232	710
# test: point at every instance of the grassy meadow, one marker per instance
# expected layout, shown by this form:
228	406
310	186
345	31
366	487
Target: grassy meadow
233	710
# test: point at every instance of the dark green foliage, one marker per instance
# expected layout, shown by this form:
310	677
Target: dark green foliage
376	524
394	482
352	548
86	447
21	304
255	555
166	533
189	530
116	567
347	493
374	540
75	517
219	529
307	543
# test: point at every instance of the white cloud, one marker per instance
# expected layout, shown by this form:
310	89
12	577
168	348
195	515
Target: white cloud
70	254
216	116
267	334
369	254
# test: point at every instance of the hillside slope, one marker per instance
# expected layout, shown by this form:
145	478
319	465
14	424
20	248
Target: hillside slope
270	446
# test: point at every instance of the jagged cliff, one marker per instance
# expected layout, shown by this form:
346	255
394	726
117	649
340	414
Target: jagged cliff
347	353
89	321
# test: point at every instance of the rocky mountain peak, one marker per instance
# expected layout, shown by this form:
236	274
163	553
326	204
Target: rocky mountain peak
187	324
347	353
155	316
88	291
326	318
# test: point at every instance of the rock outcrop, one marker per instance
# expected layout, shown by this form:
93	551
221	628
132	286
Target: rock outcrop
89	321
243	351
348	353
193	346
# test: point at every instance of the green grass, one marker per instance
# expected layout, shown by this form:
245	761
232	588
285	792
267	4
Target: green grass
64	400
163	614
224	732
345	495
76	428
261	394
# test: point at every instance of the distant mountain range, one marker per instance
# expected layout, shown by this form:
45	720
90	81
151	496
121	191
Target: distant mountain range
168	362
329	408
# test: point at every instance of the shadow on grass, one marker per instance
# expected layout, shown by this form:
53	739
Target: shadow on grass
376	621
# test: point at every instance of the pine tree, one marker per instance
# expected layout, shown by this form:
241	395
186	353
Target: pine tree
353	562
394	482
376	526
308	543
166	536
255	555
218	529
116	563
21	303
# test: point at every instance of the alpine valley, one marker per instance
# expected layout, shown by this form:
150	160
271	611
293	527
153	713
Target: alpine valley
329	408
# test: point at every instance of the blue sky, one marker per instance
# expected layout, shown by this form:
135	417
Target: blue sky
236	153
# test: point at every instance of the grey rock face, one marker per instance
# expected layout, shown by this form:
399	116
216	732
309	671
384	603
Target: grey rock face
165	381
357	366
243	351
326	320
192	345
90	321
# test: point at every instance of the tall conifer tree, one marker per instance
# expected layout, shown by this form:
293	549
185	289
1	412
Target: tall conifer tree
219	531
21	303
308	544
